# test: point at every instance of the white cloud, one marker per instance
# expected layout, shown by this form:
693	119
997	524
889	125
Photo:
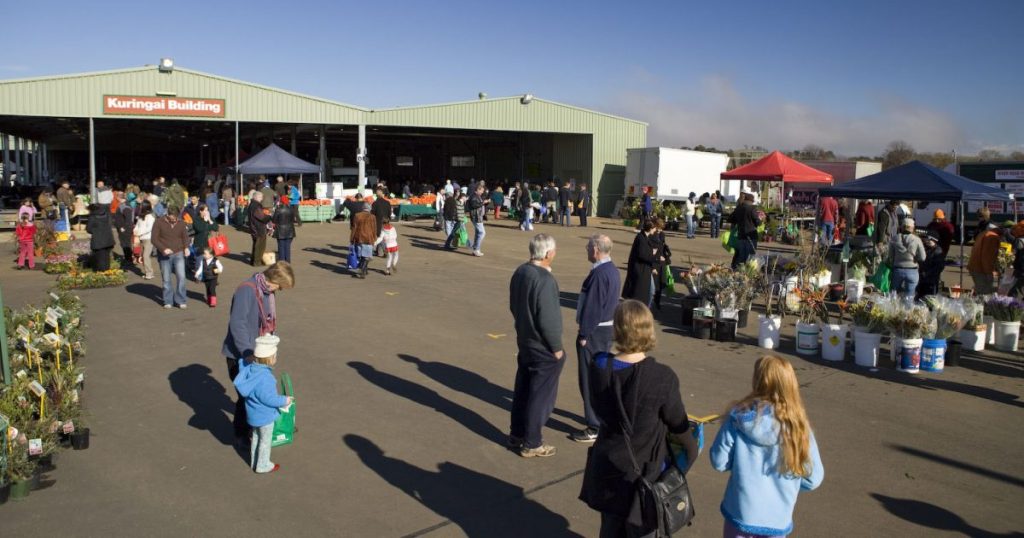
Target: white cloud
716	113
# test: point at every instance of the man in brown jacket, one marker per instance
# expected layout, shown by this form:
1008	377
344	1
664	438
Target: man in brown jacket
364	230
982	264
65	199
170	239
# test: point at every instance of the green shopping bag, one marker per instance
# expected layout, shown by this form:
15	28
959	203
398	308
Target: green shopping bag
463	234
284	426
871	230
729	241
669	280
881	278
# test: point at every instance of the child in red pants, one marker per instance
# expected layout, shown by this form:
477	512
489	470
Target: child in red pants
25	231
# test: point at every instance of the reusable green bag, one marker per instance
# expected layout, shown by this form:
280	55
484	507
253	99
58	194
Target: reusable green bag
670	281
728	241
871	230
881	278
284	426
463	234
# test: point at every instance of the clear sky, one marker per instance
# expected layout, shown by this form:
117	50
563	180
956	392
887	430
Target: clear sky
849	76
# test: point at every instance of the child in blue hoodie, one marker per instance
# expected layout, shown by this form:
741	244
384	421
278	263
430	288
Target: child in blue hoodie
255	382
767	444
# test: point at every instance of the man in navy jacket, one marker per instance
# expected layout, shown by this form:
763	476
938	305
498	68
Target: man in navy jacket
595	309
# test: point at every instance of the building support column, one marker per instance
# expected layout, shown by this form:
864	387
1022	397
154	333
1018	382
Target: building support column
294	135
46	164
17	159
361	156
323	153
38	179
238	177
4	141
92	158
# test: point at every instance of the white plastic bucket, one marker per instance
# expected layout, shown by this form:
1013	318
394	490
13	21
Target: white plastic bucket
865	352
833	341
807	338
821	279
973	340
910	356
768	331
1007	333
854	289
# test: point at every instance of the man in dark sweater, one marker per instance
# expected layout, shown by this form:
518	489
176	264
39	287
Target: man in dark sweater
534	301
594	312
170	239
565	204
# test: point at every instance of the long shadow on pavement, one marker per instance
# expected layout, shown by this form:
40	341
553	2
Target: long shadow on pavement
958	464
430	398
478	386
209	400
934	517
154	291
480	505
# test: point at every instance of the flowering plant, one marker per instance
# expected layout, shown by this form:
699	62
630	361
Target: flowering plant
868	315
812	305
1004	261
950	316
973	312
912	321
1003	308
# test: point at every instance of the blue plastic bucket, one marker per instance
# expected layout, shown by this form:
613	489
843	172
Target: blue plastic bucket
933	355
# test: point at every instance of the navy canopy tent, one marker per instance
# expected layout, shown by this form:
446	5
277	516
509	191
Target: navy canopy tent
917	181
275	160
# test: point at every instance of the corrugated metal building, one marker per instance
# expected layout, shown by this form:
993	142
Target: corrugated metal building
143	120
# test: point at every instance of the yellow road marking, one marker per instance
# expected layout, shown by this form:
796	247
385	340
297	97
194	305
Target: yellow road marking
495	336
391	293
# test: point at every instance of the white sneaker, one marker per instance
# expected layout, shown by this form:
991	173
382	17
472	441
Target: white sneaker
182	306
477	253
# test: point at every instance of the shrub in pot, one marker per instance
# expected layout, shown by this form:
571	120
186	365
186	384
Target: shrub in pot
811	311
1007	313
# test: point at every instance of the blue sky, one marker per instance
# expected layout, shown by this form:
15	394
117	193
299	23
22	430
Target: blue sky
849	76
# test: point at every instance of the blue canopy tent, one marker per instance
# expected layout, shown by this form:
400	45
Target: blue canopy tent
918	181
275	160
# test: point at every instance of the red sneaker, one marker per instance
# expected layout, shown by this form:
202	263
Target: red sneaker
276	467
213	301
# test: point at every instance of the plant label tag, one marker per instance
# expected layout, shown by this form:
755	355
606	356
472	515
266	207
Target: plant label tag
52	339
80	378
23	333
51	320
69	427
22	374
35	447
54	296
74	396
37	389
60	311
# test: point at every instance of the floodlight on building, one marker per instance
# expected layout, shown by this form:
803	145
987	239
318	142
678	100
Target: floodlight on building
166	65
526	99
482	95
166	94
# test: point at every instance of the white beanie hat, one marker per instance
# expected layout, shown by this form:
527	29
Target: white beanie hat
266	346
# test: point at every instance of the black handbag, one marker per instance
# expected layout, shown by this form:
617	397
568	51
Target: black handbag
665	505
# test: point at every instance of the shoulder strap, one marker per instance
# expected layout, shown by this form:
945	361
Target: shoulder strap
626	422
259	305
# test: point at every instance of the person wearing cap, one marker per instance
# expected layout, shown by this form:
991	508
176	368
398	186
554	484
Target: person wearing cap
256	383
690	212
982	263
253	314
943	230
930	270
906	252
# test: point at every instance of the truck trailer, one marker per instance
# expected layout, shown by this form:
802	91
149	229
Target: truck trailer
673	173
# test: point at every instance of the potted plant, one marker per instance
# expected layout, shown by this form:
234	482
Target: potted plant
973	335
1007	313
949	319
20	468
811	311
909	324
834	336
868	321
672	214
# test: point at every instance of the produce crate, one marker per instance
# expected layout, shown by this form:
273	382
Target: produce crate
309	213
326	212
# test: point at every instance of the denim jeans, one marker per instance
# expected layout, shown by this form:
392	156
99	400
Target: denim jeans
259	449
828	230
284	249
451	227
904	280
566	216
691	226
174	263
716	224
478	236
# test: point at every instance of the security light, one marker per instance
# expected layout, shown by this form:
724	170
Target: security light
166	65
526	99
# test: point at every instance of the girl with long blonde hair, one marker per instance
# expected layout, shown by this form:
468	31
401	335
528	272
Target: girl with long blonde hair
767	444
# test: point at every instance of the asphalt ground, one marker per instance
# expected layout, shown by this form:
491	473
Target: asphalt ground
403	387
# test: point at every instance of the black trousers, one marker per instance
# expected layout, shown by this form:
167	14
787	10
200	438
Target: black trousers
583	217
101	259
600	341
534	395
240	421
259	246
211	288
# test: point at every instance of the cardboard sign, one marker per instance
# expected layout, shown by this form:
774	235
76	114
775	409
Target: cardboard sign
35	447
37	389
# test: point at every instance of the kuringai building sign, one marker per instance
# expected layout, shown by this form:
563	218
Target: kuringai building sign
163	106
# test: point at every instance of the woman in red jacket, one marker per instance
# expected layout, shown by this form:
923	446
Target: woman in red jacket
25	231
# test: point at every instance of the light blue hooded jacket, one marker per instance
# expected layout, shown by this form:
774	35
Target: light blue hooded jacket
256	383
759	500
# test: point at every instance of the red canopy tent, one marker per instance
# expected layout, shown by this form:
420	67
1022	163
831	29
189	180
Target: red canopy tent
777	167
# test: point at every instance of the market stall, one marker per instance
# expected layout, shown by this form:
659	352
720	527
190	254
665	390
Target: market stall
275	160
917	181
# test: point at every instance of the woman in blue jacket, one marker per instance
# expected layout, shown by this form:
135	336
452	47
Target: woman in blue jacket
767	444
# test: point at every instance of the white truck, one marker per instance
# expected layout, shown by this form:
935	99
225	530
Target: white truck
674	173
